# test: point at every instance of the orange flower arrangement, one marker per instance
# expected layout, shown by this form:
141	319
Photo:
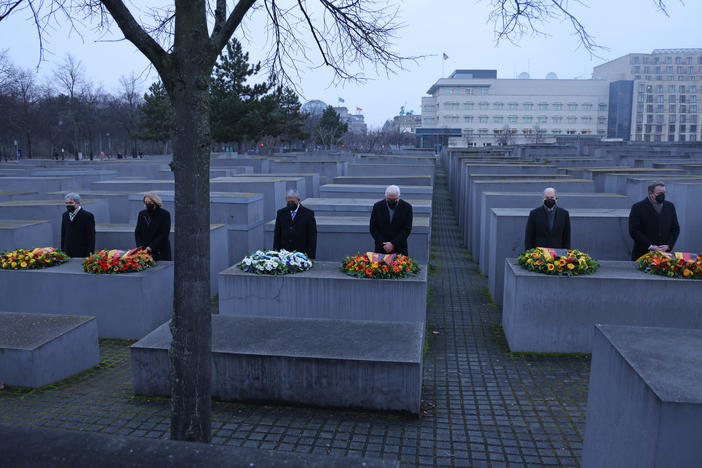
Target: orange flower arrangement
378	266
675	265
118	261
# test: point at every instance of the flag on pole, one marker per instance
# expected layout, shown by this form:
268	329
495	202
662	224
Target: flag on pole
445	56
341	99
358	109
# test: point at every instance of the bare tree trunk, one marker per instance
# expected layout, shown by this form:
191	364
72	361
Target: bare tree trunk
191	326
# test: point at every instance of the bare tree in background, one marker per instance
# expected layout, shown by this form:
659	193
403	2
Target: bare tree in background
181	45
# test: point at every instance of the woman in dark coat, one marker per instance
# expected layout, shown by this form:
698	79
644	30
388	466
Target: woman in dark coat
153	228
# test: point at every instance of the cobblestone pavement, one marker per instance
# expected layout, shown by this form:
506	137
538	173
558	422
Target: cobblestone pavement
483	405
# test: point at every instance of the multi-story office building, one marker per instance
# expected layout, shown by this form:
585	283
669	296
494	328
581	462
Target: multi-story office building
485	110
355	122
654	97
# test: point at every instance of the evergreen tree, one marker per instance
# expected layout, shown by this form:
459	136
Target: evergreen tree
330	129
156	122
236	113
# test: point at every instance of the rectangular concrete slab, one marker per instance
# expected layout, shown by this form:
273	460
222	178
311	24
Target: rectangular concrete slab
554	314
334	363
323	292
126	306
40	349
376	192
644	405
24	234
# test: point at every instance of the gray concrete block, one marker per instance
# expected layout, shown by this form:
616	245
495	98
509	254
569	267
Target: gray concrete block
126	306
24	234
334	363
42	185
603	234
132	185
117	203
358	206
370	169
12	195
327	170
339	236
554	314
273	190
121	236
375	192
644	404
40	349
385	180
323	292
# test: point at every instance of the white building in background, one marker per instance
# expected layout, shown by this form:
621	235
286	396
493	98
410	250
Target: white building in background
479	107
655	97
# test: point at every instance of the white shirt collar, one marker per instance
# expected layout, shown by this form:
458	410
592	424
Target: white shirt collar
75	212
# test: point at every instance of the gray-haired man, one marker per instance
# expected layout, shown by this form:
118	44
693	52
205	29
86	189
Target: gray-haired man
295	227
391	223
77	228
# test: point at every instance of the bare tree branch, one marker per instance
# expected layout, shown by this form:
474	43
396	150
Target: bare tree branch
220	36
136	34
6	9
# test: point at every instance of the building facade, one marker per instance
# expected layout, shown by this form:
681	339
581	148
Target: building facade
487	110
665	88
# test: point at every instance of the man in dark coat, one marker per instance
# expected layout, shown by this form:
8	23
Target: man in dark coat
154	228
391	223
295	227
548	225
77	228
653	223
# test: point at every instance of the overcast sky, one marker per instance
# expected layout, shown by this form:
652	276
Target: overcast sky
460	29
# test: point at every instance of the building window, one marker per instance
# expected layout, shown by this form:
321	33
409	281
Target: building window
586	119
659	128
683	118
678	60
671	128
528	106
649	108
671	108
649	118
557	106
641	98
603	107
556	120
671	118
693	89
512	119
660	118
498	119
693	118
527	119
468	119
572	106
484	105
693	128
660	108
693	108
635	59
659	89
498	106
543	106
468	91
639	107
556	131
483	131
587	107
601	120
571	120
692	78
693	137
683	98
468	105
483	91
660	98
543	119
483	119
513	106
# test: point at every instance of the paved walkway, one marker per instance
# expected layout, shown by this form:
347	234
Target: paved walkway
484	406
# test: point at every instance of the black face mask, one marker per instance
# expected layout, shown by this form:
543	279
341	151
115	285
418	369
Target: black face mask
292	206
393	203
70	208
550	203
150	207
660	198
